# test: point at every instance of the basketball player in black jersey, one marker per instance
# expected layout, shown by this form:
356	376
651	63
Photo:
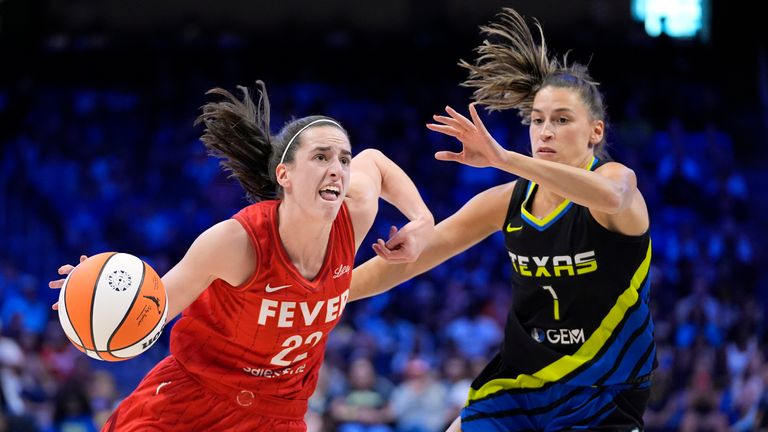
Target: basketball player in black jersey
578	347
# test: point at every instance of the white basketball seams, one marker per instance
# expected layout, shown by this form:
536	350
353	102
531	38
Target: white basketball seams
138	347
112	287
110	306
66	325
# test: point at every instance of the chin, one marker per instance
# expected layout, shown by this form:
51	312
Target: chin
329	209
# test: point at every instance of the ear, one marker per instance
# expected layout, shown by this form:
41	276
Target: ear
598	130
281	174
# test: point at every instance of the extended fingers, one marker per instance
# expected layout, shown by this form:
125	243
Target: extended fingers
380	247
396	254
448	156
459	118
476	118
449	121
395	257
393	242
448	130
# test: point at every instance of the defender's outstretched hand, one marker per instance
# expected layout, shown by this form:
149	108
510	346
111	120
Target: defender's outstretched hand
58	283
479	149
405	245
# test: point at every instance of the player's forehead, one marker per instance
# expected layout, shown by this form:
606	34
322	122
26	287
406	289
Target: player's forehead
558	99
325	138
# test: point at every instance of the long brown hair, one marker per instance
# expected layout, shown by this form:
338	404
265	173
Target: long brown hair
509	73
238	132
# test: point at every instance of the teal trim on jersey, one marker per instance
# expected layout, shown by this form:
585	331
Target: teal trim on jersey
556	214
592	349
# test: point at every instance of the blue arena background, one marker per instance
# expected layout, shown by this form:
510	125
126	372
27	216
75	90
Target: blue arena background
98	153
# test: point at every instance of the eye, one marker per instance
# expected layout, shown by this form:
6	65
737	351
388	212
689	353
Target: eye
537	121
563	120
320	157
345	160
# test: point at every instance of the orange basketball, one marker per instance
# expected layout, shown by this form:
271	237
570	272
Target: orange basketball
113	306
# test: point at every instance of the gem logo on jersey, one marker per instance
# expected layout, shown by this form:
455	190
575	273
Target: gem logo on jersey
558	336
341	270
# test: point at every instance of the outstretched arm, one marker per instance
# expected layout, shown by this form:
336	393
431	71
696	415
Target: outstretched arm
373	176
222	252
610	192
480	217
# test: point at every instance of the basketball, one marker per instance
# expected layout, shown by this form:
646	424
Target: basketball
112	306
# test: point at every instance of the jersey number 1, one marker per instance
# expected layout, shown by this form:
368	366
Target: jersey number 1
554	298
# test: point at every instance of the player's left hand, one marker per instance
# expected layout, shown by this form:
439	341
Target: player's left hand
479	148
58	283
405	245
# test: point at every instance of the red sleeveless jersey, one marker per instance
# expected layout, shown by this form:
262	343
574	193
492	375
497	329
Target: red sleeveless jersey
261	344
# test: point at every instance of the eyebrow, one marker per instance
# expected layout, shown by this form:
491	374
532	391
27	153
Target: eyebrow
328	148
555	110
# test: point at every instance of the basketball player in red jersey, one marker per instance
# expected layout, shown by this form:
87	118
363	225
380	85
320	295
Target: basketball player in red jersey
261	291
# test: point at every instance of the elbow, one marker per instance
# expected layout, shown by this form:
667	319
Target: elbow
614	203
619	199
621	195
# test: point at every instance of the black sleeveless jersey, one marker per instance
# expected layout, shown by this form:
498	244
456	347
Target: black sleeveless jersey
580	311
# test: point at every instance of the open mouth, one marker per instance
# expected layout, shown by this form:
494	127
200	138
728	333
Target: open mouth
330	193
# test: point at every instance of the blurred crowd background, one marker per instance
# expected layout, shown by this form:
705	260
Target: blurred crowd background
98	153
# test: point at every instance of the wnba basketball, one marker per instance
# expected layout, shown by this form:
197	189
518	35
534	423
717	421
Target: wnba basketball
113	306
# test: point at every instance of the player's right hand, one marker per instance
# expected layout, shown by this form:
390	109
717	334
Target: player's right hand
58	283
479	148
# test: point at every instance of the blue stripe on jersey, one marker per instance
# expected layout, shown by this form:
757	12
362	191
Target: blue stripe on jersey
638	320
557	407
533	402
539	224
632	353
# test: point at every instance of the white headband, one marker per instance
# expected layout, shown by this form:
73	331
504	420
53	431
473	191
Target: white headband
282	158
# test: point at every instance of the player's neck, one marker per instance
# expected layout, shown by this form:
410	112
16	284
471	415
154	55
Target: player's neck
305	239
545	201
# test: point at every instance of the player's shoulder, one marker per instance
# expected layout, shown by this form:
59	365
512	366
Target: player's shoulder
230	232
488	207
499	192
613	167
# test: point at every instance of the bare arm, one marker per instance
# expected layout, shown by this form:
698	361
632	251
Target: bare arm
480	217
610	192
373	176
223	251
